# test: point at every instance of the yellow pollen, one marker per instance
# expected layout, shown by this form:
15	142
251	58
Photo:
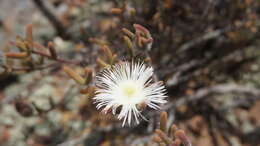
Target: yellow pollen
129	91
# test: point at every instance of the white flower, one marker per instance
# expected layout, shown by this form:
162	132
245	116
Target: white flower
128	85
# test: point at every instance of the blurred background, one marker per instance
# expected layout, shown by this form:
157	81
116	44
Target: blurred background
206	52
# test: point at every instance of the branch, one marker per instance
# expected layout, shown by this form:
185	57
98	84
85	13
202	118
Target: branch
60	28
203	38
55	59
206	92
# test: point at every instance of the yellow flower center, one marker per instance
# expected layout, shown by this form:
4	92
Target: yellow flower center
129	91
